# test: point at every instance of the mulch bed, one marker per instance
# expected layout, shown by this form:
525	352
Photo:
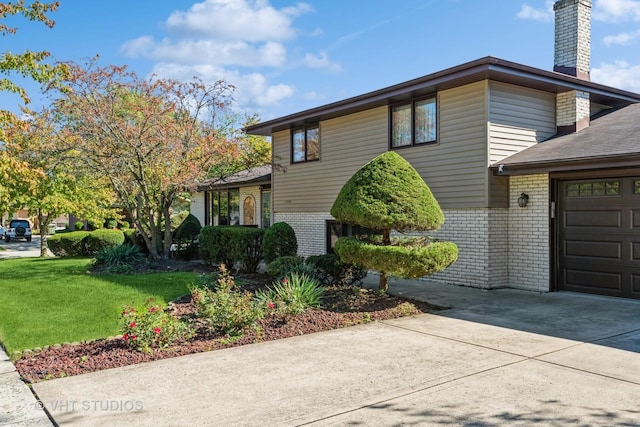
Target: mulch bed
342	307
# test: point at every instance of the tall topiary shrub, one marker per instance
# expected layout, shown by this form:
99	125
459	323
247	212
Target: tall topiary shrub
279	240
185	237
388	194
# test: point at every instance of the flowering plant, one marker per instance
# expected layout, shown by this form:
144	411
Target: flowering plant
152	327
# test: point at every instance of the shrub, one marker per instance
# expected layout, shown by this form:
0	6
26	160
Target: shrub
111	223
331	270
232	244
281	266
214	244
291	295
103	238
152	327
389	194
225	309
279	240
119	259
79	226
68	244
186	237
124	225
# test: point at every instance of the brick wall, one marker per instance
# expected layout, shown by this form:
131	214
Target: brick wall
529	262
310	230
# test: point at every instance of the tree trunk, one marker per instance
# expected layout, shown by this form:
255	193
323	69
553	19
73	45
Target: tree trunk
383	285
44	233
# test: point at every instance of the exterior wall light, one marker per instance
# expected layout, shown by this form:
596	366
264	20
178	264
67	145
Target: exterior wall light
523	200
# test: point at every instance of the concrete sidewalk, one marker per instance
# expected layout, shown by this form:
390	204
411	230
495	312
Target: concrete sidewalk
500	357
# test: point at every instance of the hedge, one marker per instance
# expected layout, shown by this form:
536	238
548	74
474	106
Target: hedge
403	261
279	240
232	245
84	243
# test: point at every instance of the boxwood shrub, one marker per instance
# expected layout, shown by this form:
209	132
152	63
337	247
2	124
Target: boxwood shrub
279	240
232	245
68	244
100	239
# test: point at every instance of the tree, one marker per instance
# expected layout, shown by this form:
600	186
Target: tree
44	181
388	194
27	64
151	138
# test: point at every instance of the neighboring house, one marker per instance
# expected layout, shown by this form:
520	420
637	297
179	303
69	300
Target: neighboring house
243	198
481	134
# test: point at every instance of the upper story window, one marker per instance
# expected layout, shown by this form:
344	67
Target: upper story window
305	144
413	123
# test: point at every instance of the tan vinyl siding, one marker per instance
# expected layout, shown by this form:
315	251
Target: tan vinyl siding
518	118
346	144
456	167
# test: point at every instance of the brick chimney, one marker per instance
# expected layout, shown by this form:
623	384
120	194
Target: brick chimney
572	56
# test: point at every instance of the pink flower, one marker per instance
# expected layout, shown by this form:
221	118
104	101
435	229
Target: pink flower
132	324
125	337
156	330
133	337
271	305
285	280
152	309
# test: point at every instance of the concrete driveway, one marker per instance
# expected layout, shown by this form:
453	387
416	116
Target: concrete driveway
20	248
500	357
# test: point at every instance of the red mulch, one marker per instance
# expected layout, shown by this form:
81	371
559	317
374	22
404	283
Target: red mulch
342	306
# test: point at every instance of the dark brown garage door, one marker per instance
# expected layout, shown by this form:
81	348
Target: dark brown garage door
599	236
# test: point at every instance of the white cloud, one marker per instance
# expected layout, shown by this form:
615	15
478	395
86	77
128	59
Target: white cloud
237	20
622	38
616	10
321	61
232	40
620	74
252	90
528	12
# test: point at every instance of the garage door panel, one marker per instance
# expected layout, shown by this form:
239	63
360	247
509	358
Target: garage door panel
593	280
599	236
586	218
592	249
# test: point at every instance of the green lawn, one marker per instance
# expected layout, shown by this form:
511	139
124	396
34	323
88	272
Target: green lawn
45	301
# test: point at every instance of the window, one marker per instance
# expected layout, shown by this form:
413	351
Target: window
593	188
305	144
266	208
413	123
222	207
335	230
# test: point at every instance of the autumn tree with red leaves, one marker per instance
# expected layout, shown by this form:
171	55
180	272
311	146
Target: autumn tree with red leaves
151	138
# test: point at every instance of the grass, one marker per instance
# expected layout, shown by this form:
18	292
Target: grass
46	301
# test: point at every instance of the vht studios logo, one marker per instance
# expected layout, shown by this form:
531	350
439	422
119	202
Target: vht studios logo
91	405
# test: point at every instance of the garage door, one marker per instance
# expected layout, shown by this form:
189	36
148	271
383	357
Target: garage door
599	236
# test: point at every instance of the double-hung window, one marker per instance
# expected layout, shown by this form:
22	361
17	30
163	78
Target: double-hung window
305	144
413	122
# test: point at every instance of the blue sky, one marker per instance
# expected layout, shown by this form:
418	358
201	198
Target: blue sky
286	56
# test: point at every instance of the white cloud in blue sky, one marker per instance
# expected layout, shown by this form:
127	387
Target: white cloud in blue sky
235	40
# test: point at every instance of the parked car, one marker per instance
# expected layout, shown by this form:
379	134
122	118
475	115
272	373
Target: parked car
18	229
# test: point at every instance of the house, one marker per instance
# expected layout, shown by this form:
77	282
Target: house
243	198
537	172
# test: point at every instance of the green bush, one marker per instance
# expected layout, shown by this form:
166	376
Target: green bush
279	240
406	260
79	226
214	244
152	327
186	237
68	244
291	295
231	245
103	238
111	223
224	309
281	266
119	259
332	270
124	225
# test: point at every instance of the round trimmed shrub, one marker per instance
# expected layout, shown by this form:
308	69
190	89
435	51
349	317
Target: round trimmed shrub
104	238
279	240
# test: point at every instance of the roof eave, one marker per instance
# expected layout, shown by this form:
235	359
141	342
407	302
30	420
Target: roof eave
567	165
